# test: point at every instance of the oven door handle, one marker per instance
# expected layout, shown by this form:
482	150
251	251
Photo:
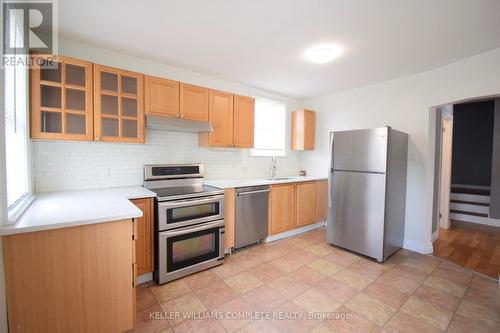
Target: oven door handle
189	202
187	230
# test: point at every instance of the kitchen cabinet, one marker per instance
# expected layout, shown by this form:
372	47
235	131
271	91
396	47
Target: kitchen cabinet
193	102
321	200
161	97
232	119
281	208
144	236
305	204
221	119
243	129
303	126
75	279
229	218
61	100
118	105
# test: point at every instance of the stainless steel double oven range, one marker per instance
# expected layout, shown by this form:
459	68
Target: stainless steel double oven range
189	220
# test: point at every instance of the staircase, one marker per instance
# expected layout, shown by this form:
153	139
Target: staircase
469	204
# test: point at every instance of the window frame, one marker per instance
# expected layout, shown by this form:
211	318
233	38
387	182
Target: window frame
257	152
12	213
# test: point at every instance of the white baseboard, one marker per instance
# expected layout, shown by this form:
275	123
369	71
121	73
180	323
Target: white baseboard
424	248
295	232
145	278
494	222
434	235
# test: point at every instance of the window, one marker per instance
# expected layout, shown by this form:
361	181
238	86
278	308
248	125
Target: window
16	138
270	127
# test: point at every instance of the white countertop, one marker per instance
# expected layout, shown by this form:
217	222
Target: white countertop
233	183
53	210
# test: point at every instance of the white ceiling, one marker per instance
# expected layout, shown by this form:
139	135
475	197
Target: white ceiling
261	43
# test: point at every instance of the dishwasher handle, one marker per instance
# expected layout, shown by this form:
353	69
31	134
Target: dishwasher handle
253	192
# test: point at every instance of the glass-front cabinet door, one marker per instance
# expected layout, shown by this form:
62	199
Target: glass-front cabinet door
61	99
118	105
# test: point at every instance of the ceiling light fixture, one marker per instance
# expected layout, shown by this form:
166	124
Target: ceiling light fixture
322	54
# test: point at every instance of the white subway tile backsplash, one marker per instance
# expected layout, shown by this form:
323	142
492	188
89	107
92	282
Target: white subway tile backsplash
64	165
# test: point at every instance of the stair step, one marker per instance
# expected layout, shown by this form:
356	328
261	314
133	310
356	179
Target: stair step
469	208
470	197
468	218
454	211
475	191
471	202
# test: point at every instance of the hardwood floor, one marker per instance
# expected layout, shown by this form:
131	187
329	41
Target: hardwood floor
470	245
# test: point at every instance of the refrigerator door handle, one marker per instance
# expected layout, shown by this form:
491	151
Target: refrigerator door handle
330	187
330	173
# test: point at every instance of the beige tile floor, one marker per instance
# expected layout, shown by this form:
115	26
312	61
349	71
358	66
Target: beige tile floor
301	275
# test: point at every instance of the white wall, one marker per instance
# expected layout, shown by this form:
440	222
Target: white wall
405	105
81	165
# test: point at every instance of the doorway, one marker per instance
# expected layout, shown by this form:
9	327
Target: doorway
466	231
445	179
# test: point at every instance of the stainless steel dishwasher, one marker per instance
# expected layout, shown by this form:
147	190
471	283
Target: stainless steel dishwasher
251	215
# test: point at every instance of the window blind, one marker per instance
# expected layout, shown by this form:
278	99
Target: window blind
270	127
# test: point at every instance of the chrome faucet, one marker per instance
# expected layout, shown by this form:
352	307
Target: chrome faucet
274	168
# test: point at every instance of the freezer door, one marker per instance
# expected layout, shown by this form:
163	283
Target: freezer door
360	150
356	218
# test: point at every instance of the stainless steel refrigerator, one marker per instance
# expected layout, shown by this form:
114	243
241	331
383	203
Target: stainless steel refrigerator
367	191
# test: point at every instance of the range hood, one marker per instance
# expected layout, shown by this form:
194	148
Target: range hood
177	124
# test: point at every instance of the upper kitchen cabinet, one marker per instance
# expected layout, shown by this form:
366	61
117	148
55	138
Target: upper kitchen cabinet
232	120
303	124
193	102
61	100
243	130
221	119
161	97
118	105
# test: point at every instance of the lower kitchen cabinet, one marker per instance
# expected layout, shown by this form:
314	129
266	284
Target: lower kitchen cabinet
305	204
75	279
229	218
321	199
281	208
144	236
295	205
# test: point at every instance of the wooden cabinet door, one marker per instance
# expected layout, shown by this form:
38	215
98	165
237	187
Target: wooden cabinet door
303	125
281	208
118	105
144	236
74	279
161	97
243	121
61	100
193	102
305	203
221	119
229	218
321	200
